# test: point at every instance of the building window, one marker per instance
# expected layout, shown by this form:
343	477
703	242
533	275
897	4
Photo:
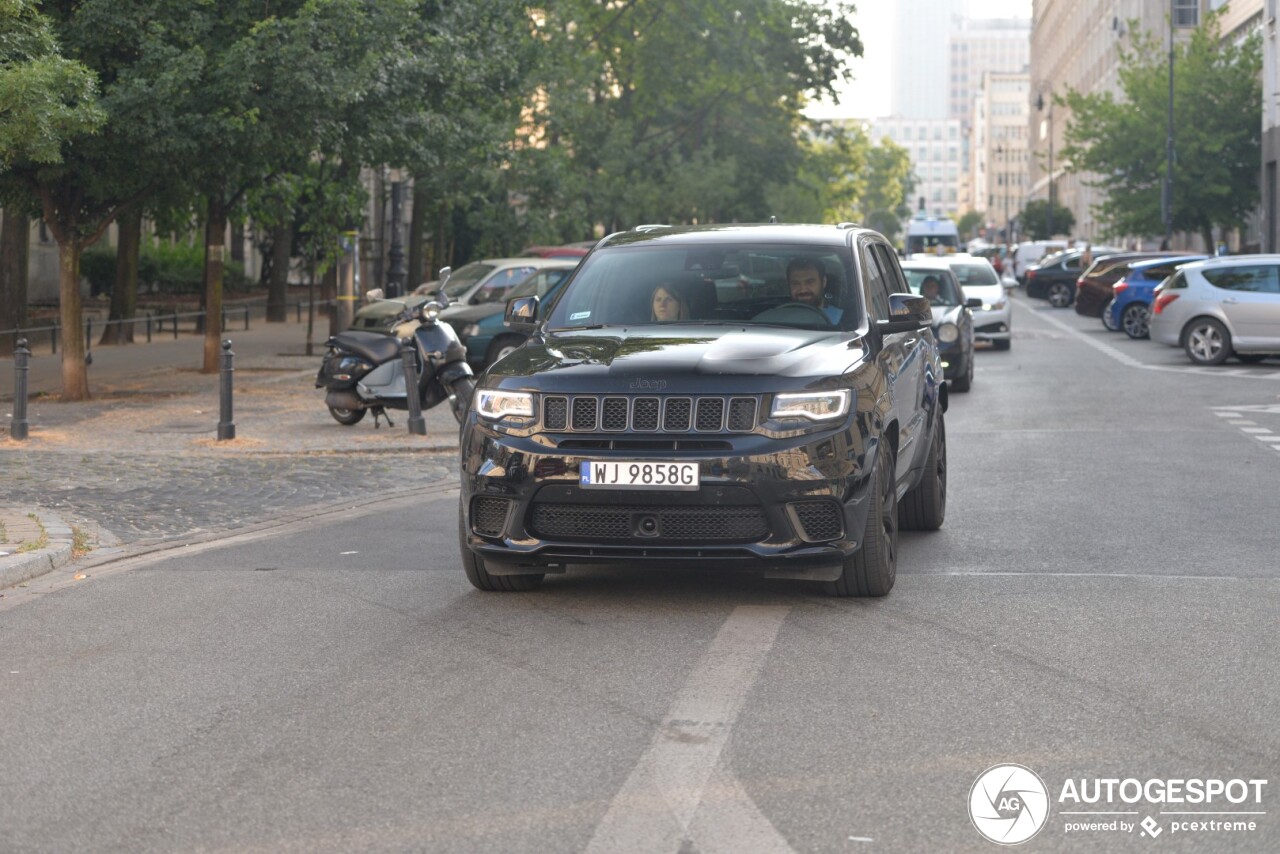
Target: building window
1186	13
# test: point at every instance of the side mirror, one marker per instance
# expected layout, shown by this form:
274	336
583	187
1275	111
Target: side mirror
521	314
907	313
973	302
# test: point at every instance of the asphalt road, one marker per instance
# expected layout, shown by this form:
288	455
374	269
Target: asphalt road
1100	604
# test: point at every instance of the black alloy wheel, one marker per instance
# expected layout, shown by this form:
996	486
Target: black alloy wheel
871	570
1059	295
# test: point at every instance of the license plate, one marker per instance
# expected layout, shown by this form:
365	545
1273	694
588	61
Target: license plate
638	475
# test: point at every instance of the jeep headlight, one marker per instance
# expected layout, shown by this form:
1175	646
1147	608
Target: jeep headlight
814	406
495	404
948	332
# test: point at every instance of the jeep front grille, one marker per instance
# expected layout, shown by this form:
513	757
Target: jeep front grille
589	413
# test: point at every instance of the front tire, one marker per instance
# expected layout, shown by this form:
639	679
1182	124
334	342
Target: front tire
1206	341
480	578
925	507
347	417
1107	319
1059	295
462	390
1002	343
871	570
1134	320
964	382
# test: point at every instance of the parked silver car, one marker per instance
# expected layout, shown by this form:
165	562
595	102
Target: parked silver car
1220	307
994	320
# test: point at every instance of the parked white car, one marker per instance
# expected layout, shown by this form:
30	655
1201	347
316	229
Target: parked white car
1221	307
994	321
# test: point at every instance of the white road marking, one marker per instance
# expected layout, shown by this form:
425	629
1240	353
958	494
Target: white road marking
1227	414
680	794
1244	422
1254	430
1272	438
1126	359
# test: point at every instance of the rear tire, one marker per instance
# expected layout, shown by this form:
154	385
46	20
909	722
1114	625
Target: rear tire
1206	341
1134	320
925	507
473	565
347	417
1060	295
871	570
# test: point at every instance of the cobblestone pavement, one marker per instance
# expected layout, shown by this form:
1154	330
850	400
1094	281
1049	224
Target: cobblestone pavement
140	462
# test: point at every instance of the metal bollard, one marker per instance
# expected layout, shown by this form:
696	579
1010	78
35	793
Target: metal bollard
226	427
417	424
175	324
21	360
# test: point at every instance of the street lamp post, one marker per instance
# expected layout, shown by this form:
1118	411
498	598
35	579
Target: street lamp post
1166	196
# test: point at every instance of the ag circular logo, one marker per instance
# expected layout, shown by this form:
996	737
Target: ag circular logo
1008	804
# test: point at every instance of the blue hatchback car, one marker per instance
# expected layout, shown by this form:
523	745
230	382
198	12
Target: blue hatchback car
1131	308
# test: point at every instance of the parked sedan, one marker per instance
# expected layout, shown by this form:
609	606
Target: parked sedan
481	327
1221	307
1131	307
952	318
1054	278
490	280
993	319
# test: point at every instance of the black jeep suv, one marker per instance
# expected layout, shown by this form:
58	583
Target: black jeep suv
745	429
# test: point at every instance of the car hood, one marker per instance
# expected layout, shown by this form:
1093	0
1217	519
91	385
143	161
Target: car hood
987	293
660	357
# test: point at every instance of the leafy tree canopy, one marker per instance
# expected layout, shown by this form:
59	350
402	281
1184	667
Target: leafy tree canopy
1037	222
1217	100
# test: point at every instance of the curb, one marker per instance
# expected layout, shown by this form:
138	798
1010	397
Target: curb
15	569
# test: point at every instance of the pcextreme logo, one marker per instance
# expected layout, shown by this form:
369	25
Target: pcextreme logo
1009	804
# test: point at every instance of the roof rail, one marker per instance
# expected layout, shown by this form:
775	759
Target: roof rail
651	226
847	225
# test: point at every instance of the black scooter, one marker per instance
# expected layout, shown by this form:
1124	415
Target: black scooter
364	371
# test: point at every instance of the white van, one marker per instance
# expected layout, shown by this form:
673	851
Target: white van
931	235
1026	254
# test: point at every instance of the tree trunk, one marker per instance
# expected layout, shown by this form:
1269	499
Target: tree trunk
437	242
124	296
417	233
329	295
1206	234
215	240
14	241
278	286
75	376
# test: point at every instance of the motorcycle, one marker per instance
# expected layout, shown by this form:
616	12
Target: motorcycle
364	371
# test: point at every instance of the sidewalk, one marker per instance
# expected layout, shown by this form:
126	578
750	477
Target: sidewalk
146	442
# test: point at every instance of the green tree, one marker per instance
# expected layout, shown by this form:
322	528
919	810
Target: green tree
969	224
1217	100
890	183
661	112
1037	223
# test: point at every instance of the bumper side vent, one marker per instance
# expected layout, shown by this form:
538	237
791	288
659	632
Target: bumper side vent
489	516
817	521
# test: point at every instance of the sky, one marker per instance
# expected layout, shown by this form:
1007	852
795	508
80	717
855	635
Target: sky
868	96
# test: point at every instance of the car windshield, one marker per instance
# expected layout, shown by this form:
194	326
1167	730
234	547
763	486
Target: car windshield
498	286
975	275
742	284
465	278
538	284
947	293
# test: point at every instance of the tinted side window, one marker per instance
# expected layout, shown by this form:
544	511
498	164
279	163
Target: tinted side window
1259	279
1160	272
875	294
894	281
1179	280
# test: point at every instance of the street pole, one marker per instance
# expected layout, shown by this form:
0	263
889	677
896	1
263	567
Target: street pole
397	273
1050	166
346	309
1167	196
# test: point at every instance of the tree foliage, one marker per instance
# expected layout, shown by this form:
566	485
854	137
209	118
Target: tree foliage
1039	225
1217	100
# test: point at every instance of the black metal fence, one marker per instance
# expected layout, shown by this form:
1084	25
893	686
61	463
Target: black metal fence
156	324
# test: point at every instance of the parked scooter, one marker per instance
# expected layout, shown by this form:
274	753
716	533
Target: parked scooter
364	371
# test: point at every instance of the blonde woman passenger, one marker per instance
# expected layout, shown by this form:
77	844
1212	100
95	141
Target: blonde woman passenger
668	304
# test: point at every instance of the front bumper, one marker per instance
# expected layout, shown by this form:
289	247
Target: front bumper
795	505
993	325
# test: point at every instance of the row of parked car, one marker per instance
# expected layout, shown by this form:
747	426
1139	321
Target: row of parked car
1214	308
